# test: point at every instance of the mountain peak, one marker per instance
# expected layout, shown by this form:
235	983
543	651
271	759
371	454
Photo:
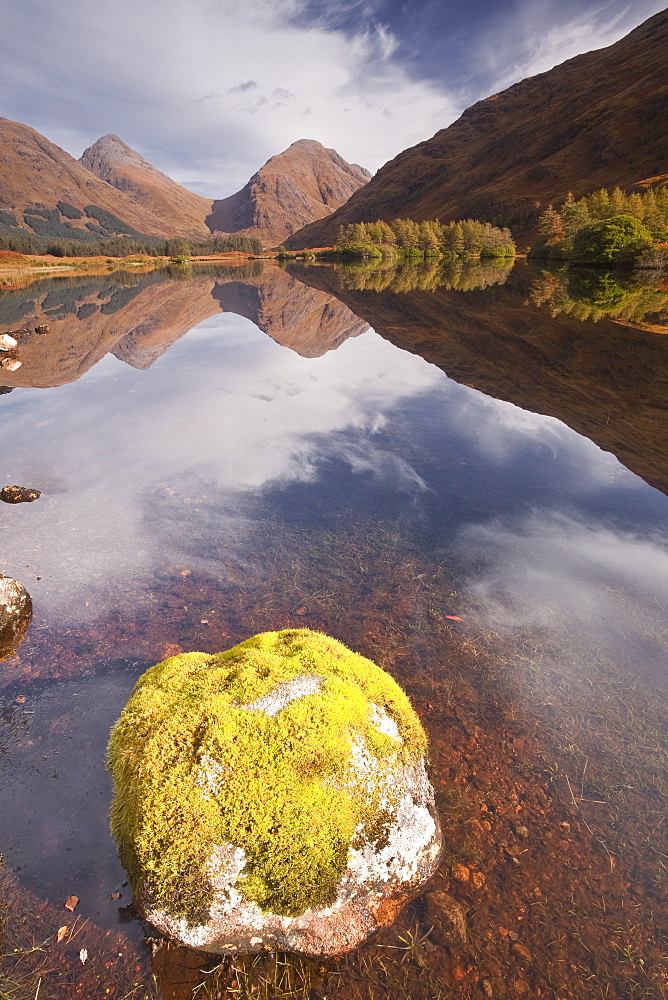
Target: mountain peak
111	149
303	183
121	166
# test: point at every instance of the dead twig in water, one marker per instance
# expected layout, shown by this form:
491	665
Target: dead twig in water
596	838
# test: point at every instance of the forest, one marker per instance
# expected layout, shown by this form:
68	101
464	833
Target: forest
607	227
406	238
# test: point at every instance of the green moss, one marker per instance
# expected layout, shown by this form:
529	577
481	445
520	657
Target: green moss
283	790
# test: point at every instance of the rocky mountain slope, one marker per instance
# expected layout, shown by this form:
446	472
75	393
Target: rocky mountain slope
120	166
304	183
36	175
595	121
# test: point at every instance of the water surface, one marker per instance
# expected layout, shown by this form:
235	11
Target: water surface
251	450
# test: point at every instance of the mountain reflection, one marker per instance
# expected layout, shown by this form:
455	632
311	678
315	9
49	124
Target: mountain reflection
576	345
528	341
138	317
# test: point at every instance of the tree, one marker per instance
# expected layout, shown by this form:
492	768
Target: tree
610	240
550	224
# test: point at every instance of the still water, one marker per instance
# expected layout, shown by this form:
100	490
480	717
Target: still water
244	450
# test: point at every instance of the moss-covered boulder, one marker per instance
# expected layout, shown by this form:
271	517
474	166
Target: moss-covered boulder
273	796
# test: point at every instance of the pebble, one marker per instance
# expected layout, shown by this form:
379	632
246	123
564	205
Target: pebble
448	918
10	364
522	952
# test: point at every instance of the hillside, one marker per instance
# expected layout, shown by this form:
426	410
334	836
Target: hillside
35	175
595	121
304	183
115	163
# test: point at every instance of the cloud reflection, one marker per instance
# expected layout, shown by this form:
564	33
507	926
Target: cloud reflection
580	579
227	406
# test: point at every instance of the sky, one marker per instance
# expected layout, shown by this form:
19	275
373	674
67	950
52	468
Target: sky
208	90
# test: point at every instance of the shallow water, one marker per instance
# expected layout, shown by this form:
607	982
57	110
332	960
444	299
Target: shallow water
212	478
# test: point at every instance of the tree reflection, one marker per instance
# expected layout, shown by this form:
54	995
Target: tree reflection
452	274
591	294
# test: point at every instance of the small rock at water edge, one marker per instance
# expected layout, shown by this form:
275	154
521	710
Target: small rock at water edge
10	364
15	615
19	494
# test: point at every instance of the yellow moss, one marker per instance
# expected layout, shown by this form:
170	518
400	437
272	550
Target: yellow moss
284	789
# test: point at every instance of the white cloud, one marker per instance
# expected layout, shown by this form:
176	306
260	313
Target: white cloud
539	36
584	581
201	88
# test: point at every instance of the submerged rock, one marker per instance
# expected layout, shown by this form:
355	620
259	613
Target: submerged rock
273	796
9	363
15	615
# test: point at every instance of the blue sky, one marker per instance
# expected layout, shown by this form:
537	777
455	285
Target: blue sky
210	89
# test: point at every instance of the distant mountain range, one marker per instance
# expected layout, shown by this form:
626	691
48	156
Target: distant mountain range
114	191
595	121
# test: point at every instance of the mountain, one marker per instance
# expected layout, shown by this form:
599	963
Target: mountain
595	121
114	162
46	191
304	183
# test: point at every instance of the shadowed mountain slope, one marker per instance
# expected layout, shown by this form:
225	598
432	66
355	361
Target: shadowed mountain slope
304	183
114	162
595	121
